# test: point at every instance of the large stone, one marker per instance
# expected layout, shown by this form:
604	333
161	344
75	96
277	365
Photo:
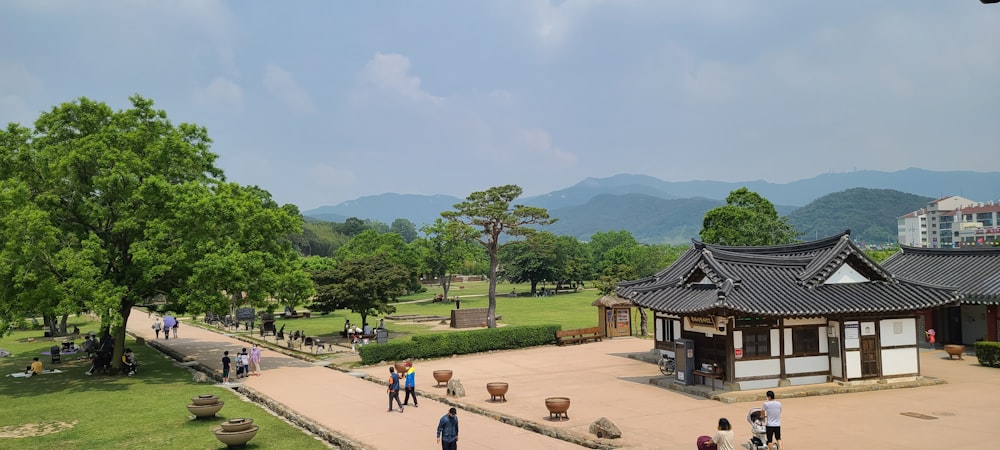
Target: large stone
199	377
605	429
455	388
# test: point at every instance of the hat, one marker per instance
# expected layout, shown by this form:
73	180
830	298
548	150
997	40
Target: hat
452	411
409	364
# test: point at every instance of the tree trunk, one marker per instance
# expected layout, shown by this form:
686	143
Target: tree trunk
643	322
118	334
534	287
491	312
62	325
49	321
445	284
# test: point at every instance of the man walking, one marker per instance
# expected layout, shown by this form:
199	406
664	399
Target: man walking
411	383
447	431
393	389
157	326
772	414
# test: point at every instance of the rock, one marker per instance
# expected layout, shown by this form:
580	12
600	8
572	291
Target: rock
455	388
200	378
605	429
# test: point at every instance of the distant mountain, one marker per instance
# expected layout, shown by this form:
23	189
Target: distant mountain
973	185
385	208
650	219
627	200
870	214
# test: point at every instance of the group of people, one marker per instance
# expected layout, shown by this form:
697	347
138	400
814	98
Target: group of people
247	363
770	418
170	323
447	429
100	352
360	336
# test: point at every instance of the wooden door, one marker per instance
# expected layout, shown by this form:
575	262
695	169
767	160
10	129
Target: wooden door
869	357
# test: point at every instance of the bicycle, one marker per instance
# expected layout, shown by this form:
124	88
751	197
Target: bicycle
667	365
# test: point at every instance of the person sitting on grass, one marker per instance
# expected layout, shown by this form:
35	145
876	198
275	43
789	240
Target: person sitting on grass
35	368
129	362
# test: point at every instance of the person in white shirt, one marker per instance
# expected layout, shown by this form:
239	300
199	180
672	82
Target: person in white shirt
772	415
723	438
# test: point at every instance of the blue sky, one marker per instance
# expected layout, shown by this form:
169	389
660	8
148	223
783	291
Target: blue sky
321	102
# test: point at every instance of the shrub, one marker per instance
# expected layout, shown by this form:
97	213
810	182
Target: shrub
460	343
988	353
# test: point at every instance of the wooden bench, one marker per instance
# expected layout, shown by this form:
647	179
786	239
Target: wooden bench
578	336
708	374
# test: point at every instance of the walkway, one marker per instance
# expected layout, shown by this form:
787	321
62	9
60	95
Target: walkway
603	381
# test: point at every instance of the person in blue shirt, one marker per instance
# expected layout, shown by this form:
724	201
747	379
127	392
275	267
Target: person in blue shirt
447	431
393	389
411	383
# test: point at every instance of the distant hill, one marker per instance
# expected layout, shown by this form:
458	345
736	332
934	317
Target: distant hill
870	214
385	208
651	220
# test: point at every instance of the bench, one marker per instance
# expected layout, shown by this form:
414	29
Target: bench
578	336
709	374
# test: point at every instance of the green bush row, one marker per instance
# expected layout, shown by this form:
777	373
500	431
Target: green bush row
988	353
459	343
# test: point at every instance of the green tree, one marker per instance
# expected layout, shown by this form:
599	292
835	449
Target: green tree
351	227
405	229
490	212
576	264
366	286
531	260
386	245
445	249
746	219
129	206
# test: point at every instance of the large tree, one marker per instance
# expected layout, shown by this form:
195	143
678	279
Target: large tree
531	260
445	249
405	229
746	219
366	285
490	212
386	245
127	206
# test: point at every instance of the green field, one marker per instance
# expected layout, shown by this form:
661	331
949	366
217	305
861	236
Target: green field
143	411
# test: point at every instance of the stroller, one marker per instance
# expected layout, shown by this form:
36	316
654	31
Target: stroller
756	419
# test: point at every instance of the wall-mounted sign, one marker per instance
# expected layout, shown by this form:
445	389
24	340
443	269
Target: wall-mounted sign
739	353
710	325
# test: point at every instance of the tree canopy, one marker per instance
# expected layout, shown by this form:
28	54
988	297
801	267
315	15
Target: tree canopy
365	285
490	212
445	250
747	219
104	210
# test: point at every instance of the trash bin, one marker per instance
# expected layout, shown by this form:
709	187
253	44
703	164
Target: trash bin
381	336
54	351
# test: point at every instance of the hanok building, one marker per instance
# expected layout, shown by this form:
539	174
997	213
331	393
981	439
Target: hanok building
794	314
974	272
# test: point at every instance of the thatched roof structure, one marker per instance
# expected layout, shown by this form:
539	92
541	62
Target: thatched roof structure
609	301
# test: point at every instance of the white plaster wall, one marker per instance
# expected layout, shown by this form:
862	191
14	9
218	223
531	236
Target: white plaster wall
894	332
835	368
788	341
824	345
758	368
899	361
807	364
775	341
677	329
845	274
853	360
758	384
815	379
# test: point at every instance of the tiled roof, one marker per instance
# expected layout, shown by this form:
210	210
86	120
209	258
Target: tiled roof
974	271
785	280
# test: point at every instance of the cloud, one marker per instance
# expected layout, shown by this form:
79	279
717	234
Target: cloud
18	88
280	83
389	73
221	92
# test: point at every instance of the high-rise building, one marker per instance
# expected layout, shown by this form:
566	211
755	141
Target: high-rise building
951	222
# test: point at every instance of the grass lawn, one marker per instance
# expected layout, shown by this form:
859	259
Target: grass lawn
73	410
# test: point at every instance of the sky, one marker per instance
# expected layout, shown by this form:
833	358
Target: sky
321	102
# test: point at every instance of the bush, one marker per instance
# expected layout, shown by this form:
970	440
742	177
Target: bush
988	353
460	343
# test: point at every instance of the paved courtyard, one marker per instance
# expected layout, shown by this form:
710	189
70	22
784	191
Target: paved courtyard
602	381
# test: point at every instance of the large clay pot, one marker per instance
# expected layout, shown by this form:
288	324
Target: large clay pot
442	376
203	400
201	411
954	350
400	367
236	424
497	390
558	407
236	438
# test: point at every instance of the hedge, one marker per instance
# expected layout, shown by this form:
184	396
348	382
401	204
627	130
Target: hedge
459	343
988	353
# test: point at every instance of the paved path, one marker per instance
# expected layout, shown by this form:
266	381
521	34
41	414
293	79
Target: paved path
603	382
343	403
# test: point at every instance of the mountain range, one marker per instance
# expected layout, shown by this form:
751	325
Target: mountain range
658	211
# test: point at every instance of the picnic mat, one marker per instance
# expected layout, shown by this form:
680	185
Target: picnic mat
61	352
24	375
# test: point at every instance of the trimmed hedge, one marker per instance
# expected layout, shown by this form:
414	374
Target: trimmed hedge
988	353
459	343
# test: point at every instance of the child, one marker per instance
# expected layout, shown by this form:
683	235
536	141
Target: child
245	360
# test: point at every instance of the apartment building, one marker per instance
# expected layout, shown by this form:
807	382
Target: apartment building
951	222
